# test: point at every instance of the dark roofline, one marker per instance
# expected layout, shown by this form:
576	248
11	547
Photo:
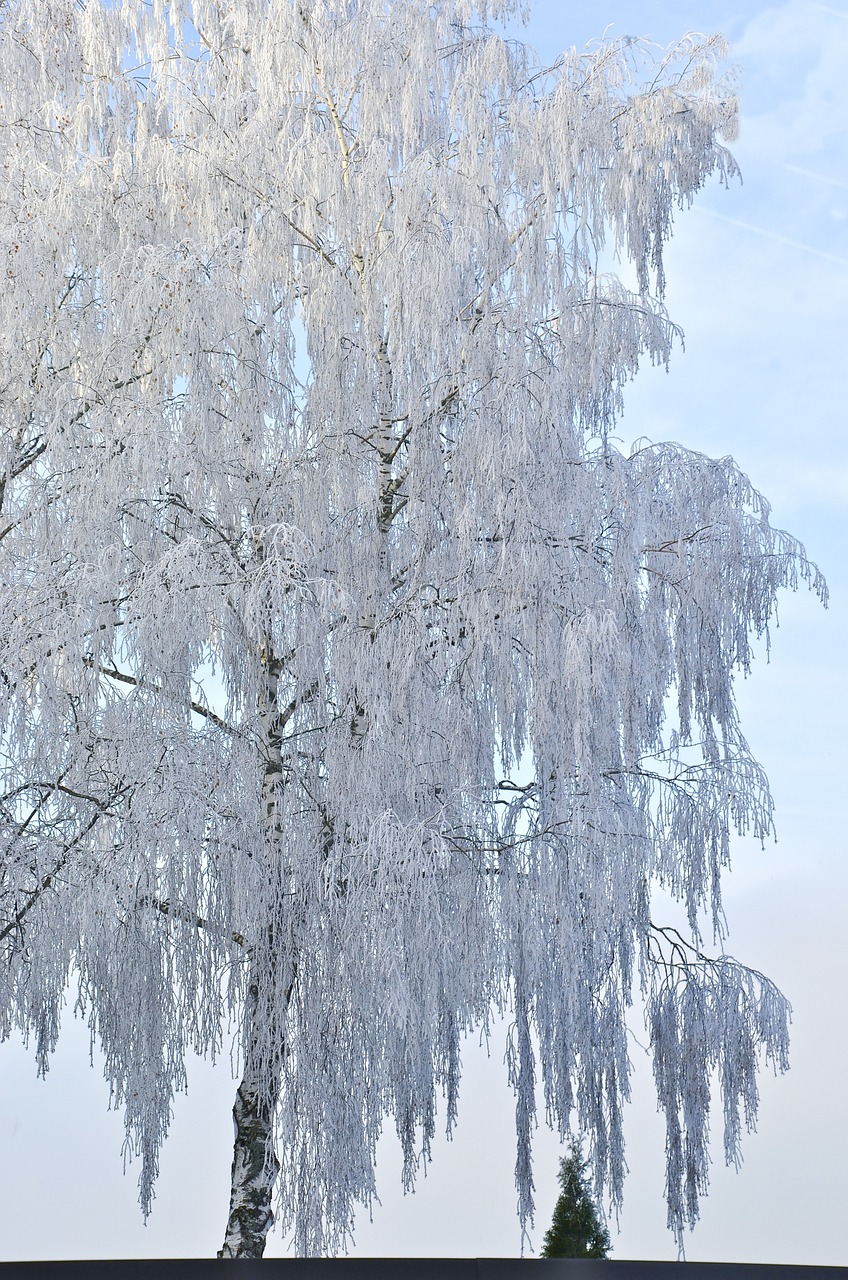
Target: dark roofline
409	1269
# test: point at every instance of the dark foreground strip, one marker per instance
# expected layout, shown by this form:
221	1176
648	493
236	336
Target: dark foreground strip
408	1269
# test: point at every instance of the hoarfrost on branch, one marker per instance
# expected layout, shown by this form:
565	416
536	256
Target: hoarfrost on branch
354	684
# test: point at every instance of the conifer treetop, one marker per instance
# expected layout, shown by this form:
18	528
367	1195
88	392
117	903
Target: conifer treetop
577	1229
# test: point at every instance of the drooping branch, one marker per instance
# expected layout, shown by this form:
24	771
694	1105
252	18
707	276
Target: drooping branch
48	880
123	677
176	911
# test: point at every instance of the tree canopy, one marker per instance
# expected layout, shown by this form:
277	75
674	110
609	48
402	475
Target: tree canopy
354	684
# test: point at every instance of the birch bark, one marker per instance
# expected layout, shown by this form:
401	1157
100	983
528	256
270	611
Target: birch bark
255	1164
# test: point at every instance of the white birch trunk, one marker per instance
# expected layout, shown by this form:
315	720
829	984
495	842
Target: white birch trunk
255	1164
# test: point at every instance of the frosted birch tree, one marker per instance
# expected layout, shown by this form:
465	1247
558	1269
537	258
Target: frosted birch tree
355	685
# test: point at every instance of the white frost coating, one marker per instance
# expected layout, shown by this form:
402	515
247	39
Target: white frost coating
310	530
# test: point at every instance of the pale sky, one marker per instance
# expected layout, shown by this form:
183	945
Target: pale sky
758	279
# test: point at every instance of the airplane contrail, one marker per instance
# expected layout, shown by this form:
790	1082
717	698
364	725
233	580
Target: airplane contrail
774	235
819	177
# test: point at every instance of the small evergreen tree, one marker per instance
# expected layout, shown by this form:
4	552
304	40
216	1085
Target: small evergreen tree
577	1230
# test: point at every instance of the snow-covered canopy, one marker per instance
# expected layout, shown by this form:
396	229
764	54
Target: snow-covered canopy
353	683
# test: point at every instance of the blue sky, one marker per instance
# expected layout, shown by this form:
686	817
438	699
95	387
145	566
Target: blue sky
758	279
